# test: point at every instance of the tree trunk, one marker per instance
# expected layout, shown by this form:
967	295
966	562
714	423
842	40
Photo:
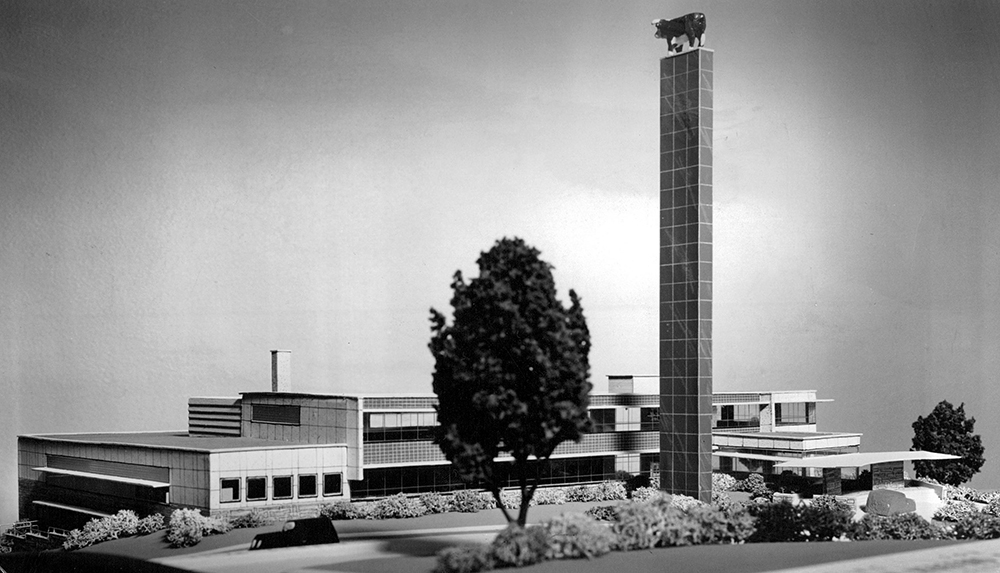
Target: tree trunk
499	499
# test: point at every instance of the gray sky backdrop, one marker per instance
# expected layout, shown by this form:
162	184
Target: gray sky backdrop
187	185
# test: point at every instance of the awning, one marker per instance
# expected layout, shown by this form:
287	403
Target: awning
864	459
72	508
104	477
745	456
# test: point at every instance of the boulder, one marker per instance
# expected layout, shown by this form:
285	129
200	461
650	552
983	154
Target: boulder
888	502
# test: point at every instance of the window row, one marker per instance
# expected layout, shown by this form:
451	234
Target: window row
281	487
395	427
381	482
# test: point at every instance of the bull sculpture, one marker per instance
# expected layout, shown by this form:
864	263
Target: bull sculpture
691	25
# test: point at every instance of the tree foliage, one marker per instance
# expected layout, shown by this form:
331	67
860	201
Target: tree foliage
511	371
946	430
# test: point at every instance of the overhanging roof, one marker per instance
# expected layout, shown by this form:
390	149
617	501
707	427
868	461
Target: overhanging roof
73	508
745	456
104	477
863	459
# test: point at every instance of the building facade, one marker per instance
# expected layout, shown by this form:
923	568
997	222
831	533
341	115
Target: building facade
292	452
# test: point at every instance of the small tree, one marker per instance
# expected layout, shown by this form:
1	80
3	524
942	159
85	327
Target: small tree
947	431
511	372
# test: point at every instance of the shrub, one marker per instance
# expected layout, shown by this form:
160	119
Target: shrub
604	491
648	494
550	496
150	524
434	502
397	506
635	482
777	521
518	546
961	492
723	502
603	512
343	509
723	482
755	486
464	559
702	524
216	525
682	502
573	535
125	523
188	526
639	526
992	507
826	518
977	525
76	540
903	526
512	499
255	518
989	497
185	528
954	510
122	524
468	501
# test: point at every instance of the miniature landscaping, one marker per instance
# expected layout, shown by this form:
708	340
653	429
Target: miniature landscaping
636	518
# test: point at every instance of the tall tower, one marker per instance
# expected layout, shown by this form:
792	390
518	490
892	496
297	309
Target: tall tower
686	273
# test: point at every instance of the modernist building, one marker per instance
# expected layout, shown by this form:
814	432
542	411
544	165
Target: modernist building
292	452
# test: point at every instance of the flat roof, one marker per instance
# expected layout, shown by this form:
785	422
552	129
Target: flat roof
788	435
865	459
175	441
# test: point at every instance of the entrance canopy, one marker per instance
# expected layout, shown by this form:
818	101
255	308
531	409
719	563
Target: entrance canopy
865	459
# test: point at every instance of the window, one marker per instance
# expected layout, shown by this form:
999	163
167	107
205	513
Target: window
256	488
332	484
230	490
273	414
649	419
736	416
307	486
604	420
282	487
795	413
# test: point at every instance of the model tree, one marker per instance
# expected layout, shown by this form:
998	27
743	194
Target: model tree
511	372
946	430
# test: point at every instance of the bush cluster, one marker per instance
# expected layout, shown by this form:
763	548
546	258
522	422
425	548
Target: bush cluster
550	496
434	502
464	559
663	524
603	512
992	507
518	546
254	518
825	519
343	509
977	525
604	491
723	482
647	494
125	523
512	499
954	510
574	535
470	501
397	506
188	526
755	486
903	526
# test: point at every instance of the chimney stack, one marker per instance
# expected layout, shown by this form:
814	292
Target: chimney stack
281	371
